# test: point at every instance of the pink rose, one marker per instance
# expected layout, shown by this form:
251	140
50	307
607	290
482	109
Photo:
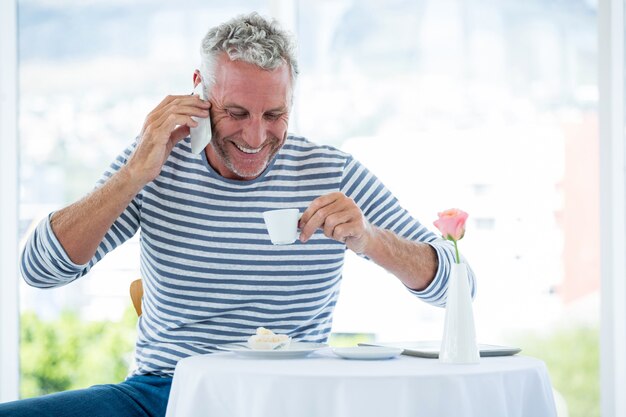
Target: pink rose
451	224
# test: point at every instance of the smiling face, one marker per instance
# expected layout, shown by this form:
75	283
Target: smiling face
250	114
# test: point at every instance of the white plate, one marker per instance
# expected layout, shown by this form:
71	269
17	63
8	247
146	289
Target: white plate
367	352
295	350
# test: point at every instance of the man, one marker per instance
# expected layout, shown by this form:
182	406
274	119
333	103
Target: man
210	272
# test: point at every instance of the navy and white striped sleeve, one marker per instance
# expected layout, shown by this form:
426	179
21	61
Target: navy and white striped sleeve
383	210
46	264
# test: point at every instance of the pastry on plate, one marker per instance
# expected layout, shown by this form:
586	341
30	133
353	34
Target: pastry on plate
265	339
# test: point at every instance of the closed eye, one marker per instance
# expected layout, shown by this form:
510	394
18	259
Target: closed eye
237	114
272	116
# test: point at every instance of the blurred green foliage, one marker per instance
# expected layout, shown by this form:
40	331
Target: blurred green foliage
573	360
69	353
350	339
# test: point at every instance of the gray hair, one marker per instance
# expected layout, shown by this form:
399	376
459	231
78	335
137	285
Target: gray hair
250	38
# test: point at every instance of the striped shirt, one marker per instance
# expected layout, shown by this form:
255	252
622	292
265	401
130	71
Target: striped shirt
210	273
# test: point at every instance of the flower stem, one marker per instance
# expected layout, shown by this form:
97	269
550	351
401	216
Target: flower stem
456	249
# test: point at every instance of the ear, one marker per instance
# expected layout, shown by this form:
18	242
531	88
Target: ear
197	78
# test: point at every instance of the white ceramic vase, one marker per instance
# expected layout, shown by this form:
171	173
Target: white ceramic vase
459	335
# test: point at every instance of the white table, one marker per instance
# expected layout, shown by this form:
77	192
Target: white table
224	385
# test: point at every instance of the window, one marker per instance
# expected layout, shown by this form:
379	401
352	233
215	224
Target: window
488	106
88	78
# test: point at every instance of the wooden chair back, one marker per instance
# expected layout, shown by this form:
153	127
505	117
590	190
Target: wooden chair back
136	294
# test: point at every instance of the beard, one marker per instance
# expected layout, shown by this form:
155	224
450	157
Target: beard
236	164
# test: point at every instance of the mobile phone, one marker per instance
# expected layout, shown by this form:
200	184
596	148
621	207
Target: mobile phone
201	135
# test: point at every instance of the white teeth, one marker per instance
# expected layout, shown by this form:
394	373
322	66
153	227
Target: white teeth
246	150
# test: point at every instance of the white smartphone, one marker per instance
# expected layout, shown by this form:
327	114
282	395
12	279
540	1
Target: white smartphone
201	135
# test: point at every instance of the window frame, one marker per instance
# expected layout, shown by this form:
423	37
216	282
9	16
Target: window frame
612	208
9	281
612	203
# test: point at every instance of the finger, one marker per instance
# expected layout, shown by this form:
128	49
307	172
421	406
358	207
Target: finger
343	232
312	225
169	122
318	218
335	220
175	100
176	109
188	110
186	101
166	101
199	101
171	103
317	204
178	134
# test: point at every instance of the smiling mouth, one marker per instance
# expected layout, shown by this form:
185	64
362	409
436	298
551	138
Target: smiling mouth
248	150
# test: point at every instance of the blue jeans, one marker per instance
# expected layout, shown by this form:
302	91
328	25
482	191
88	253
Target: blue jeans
140	396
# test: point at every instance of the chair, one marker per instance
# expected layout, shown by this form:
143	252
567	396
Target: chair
136	294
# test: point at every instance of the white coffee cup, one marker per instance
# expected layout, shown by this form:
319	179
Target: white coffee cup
282	225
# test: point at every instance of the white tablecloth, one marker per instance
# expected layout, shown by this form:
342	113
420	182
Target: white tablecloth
323	385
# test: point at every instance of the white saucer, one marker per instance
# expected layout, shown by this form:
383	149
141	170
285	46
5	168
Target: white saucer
367	352
295	350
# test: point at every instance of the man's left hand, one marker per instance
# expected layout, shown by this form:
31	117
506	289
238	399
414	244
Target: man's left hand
340	219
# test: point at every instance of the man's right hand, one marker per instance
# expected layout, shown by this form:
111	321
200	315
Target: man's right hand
81	226
163	128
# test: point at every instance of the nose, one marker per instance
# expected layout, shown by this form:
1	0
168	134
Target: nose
255	133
